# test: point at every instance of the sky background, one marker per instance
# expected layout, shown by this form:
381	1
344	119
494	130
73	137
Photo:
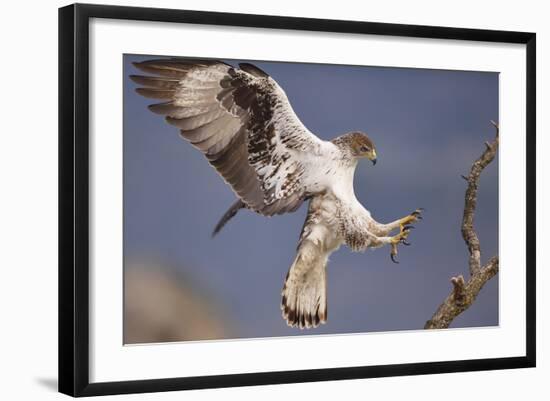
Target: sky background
428	127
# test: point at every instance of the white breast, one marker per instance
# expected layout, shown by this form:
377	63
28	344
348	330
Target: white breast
326	171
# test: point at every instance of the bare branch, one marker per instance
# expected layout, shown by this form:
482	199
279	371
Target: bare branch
470	202
459	294
462	296
464	293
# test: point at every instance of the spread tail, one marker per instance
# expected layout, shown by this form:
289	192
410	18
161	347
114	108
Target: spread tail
235	207
304	303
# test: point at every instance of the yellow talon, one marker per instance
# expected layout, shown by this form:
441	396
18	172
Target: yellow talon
396	239
404	230
411	218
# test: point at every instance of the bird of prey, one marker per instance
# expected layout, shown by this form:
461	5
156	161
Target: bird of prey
243	123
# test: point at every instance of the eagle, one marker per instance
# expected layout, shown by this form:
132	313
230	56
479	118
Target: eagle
241	120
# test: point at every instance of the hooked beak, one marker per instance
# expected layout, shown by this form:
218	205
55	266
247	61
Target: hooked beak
373	162
373	157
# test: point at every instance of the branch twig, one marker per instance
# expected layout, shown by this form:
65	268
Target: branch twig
464	293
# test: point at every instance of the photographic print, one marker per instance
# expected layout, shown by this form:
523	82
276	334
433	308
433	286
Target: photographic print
290	186
268	199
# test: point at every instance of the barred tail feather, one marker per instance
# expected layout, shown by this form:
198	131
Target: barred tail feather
304	302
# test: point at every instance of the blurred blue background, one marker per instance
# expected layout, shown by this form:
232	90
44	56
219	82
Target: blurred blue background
428	126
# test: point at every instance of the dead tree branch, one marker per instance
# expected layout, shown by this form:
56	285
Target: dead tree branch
464	293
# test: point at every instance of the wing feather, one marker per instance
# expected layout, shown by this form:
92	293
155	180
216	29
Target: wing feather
155	82
241	120
154	93
195	121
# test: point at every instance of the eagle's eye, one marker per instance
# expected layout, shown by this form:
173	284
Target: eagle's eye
364	149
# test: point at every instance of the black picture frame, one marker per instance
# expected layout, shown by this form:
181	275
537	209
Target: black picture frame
74	198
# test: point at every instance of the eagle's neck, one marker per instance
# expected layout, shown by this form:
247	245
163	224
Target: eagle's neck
343	143
345	154
342	184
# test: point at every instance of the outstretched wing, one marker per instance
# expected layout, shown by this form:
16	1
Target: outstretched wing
242	121
304	301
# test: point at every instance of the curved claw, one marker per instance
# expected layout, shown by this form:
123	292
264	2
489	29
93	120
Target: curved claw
405	242
392	257
408	227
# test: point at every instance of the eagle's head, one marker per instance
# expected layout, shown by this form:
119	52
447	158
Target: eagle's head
358	144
